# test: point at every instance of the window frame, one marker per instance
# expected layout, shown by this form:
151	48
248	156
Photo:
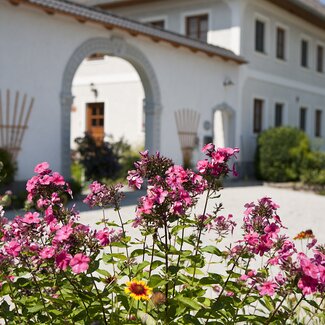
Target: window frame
286	42
318	123
282	105
199	18
203	11
262	115
308	42
318	45
305	109
266	21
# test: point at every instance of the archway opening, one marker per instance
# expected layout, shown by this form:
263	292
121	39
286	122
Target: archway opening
223	126
127	61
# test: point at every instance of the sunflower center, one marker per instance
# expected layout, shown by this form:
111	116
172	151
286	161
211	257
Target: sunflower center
138	289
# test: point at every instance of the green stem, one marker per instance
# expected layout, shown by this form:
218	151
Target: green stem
167	267
144	248
179	257
200	233
319	307
225	285
152	253
78	291
15	306
100	299
295	307
276	309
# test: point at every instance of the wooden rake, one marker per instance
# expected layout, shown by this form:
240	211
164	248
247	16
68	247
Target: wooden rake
187	122
13	121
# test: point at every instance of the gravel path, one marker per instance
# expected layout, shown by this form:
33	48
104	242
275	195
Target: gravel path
298	210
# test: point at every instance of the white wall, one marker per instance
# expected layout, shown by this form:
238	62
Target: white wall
119	88
38	47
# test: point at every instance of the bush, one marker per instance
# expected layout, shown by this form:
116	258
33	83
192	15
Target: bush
280	154
99	160
313	170
7	168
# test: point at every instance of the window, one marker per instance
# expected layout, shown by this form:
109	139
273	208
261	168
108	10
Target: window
320	58
318	123
157	24
197	27
280	43
278	120
95	121
303	118
258	115
259	36
304	53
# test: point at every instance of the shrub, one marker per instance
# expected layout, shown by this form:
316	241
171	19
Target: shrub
280	153
99	160
8	167
313	170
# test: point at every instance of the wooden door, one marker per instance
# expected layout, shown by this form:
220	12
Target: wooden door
95	121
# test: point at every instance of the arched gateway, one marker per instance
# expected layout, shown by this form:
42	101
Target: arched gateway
120	48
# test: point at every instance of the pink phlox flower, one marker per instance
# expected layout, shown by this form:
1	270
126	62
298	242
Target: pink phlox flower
63	233
273	261
58	179
218	156
31	183
249	208
252	239
307	266
108	236
157	194
267	288
202	166
208	149
47	252
45	180
177	208
264	245
134	179
42	168
234	170
137	222
280	279
184	196
33	247
62	260
307	284
79	263
13	248
312	243
272	229
268	202
31	218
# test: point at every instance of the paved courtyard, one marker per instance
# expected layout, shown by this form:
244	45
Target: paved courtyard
298	210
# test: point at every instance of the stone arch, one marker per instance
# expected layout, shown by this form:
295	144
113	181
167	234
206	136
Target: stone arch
118	47
224	125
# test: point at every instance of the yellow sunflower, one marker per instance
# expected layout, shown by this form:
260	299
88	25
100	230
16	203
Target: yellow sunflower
138	290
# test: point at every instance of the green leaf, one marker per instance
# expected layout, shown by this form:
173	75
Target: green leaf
212	250
35	308
213	278
137	252
146	318
188	302
156	281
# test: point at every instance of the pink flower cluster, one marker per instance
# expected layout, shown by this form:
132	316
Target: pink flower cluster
102	195
220	224
172	190
217	164
261	237
55	237
47	187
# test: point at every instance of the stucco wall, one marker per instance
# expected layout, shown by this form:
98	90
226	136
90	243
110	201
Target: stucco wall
38	47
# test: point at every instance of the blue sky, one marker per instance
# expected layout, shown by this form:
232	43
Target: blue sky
322	1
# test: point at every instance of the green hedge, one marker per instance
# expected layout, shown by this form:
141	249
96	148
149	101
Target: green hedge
7	167
280	154
313	170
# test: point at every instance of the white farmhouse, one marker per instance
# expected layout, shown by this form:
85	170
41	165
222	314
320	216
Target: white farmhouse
284	44
244	65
